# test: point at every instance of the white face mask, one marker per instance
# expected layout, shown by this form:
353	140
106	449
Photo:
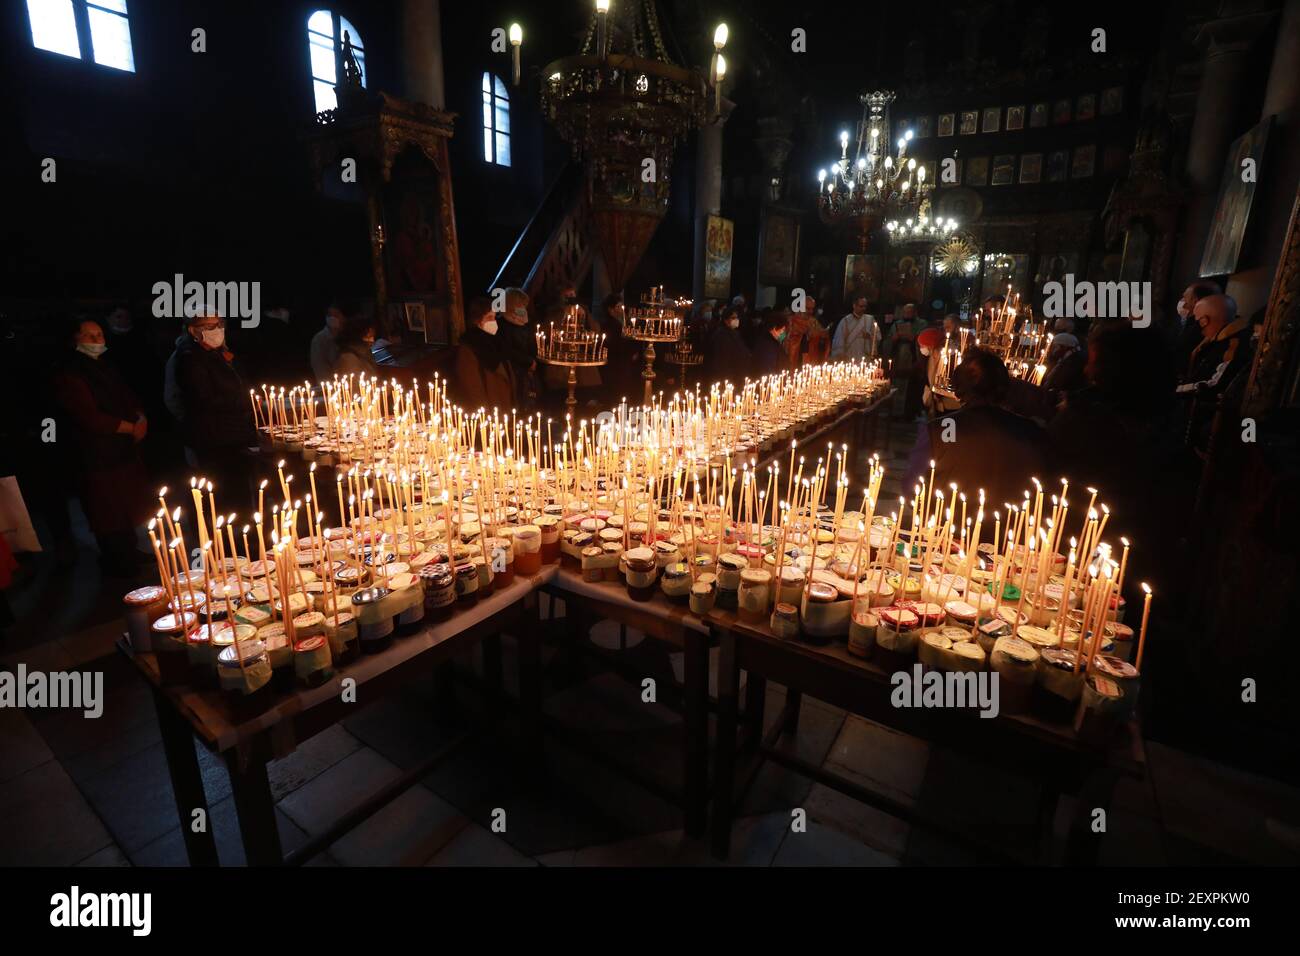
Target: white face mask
93	349
213	338
490	326
1182	309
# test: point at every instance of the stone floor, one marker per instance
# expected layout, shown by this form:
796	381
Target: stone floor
96	792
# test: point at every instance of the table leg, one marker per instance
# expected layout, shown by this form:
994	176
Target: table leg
256	809
530	690
755	708
493	669
444	691
793	700
1082	844
725	754
696	728
187	782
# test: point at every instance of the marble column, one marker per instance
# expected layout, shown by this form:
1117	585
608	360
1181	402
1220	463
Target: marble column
1228	42
708	190
421	29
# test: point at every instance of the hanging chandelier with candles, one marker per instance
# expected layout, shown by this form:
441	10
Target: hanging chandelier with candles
874	184
624	106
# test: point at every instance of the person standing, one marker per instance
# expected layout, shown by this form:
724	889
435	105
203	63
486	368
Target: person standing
1184	334
209	399
728	355
104	426
324	344
769	355
518	335
484	377
856	336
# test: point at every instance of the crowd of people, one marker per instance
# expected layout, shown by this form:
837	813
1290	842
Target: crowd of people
1115	404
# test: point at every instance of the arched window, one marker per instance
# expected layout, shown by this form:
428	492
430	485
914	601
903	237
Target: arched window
325	31
96	30
496	121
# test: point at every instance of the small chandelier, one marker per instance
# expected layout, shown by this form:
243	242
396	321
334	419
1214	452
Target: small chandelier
923	230
874	184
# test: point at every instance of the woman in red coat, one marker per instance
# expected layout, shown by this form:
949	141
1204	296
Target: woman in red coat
103	424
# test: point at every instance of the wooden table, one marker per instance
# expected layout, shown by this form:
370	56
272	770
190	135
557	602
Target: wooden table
1052	753
675	626
246	747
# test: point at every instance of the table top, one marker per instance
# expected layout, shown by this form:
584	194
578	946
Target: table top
209	712
876	682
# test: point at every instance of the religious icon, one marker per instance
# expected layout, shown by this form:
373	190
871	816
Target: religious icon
1236	196
922	128
977	171
969	122
1112	101
717	257
1015	118
1086	108
1085	161
992	119
1031	167
1004	169
1038	115
946	124
1061	112
1058	166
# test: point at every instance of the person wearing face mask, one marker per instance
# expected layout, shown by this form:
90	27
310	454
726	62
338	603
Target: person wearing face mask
517	334
102	424
209	399
355	344
769	356
324	344
482	376
728	355
1183	334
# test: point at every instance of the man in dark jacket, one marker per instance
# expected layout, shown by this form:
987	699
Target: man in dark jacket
1183	334
483	377
769	356
208	396
728	355
1223	353
982	445
518	336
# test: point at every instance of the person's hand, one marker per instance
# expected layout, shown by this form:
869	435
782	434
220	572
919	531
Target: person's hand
140	429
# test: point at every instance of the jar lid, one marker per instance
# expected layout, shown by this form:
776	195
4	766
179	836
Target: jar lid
251	651
822	593
145	595
314	643
172	624
369	595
